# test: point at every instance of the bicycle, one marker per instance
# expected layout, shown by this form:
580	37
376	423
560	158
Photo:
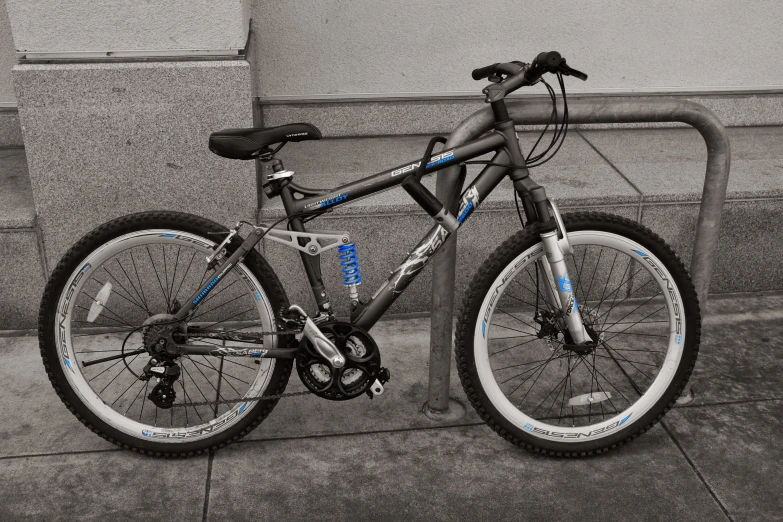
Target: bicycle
165	375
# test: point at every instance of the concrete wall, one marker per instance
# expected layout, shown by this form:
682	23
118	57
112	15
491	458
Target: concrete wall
7	58
107	139
313	47
115	25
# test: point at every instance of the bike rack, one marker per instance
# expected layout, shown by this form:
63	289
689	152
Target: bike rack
586	111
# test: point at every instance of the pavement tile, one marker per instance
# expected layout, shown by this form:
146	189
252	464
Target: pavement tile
466	473
32	417
741	353
101	486
669	164
737	450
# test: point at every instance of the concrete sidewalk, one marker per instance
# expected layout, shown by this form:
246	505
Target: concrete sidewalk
719	458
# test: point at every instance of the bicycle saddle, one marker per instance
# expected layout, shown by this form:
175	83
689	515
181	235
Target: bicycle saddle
247	144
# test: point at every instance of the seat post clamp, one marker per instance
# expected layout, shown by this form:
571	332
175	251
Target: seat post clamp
280	175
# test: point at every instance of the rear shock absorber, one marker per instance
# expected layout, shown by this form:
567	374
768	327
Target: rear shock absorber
349	266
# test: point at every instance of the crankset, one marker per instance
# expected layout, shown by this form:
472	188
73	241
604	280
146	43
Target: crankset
362	372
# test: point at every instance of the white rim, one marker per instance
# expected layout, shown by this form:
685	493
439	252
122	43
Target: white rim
631	414
82	388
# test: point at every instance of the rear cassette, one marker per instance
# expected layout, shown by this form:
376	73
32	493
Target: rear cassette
362	363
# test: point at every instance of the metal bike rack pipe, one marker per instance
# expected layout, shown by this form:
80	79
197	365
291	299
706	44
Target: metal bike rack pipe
593	110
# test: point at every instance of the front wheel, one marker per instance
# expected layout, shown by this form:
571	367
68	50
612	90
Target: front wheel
536	388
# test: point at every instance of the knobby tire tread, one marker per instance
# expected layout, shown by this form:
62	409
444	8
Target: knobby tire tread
115	228
501	257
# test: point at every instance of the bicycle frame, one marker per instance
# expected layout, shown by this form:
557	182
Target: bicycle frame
508	160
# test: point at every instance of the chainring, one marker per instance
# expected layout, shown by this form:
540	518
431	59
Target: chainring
362	363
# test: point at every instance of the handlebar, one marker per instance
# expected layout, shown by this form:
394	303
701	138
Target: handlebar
496	68
519	74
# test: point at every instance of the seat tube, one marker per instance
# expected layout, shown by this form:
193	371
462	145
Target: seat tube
564	288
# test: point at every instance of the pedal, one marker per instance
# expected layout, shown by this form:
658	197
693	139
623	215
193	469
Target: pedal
377	387
291	320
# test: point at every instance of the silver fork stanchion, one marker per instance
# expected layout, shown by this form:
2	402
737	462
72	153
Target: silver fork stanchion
593	110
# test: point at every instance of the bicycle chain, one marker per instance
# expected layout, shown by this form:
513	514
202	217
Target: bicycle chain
257	397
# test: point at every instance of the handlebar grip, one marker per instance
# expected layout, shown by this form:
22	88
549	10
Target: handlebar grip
548	61
483	72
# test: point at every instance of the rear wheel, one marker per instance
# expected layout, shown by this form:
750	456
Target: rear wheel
532	385
107	297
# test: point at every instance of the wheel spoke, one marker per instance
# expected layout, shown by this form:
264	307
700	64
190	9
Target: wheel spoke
518	319
141	286
135	380
141	389
508	328
240	296
193	256
601	388
609	350
515	346
616	290
157	276
562	381
120	373
212	367
134	287
600	253
632	311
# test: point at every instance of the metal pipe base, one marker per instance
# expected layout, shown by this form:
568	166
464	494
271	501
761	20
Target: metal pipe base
455	411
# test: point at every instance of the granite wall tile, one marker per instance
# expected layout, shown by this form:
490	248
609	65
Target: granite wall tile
103	140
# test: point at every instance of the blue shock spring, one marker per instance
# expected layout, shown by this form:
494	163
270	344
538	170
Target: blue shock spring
349	265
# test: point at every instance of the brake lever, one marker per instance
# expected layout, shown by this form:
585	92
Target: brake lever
568	71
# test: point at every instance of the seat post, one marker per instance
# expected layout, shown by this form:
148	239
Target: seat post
312	264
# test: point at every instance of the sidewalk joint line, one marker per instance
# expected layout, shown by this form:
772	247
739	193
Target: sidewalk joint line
59	453
633	185
697	472
359	433
205	513
729	403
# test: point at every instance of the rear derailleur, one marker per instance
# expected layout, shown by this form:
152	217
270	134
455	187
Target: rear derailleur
160	340
166	372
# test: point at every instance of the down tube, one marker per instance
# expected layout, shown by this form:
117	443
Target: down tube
405	273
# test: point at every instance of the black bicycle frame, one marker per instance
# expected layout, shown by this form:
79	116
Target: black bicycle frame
508	160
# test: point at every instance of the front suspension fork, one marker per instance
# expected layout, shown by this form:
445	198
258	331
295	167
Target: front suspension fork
555	271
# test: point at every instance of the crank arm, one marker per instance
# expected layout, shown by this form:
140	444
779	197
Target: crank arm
113	357
224	351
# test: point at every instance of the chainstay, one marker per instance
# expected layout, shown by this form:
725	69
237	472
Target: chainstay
244	399
257	397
